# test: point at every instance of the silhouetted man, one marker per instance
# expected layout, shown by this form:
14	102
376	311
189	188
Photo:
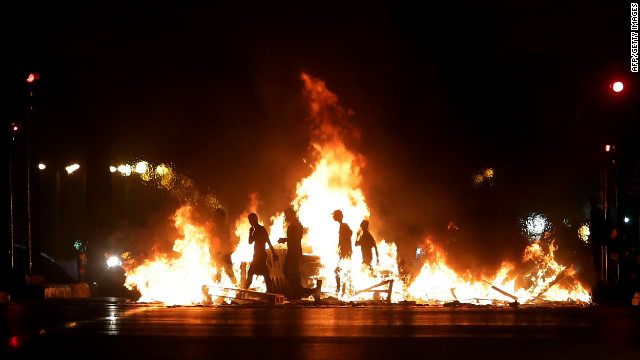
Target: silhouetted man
344	237
367	243
291	267
222	255
258	235
344	243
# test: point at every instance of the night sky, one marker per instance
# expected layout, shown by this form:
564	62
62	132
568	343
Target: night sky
438	92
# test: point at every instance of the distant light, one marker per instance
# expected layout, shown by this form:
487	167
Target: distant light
113	261
535	225
80	246
484	177
477	179
617	86
42	166
583	233
626	219
113	169
163	170
141	167
488	173
15	127
33	77
71	168
125	170
608	148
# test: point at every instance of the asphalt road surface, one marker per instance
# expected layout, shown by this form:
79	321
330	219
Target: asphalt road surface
111	329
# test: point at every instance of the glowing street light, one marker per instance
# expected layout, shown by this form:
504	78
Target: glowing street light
125	170
71	168
535	225
113	261
42	166
141	167
162	170
584	232
617	86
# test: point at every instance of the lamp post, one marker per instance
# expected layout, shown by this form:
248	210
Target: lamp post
31	80
610	176
616	87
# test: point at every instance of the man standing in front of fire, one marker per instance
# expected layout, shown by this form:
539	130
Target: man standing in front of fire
258	235
344	246
291	266
367	243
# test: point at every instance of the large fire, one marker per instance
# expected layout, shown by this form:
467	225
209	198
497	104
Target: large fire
335	183
178	278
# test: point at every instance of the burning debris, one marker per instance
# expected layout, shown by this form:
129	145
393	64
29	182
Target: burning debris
331	266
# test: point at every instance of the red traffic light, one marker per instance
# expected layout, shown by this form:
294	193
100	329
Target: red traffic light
617	86
32	77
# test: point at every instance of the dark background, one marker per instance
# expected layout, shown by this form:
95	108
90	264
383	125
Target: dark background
439	93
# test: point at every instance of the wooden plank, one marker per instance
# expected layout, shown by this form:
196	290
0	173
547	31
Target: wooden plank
377	291
502	291
242	294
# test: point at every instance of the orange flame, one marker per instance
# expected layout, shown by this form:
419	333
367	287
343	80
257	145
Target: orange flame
334	184
547	281
177	279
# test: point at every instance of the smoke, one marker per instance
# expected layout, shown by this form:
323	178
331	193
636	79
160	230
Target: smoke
417	178
145	230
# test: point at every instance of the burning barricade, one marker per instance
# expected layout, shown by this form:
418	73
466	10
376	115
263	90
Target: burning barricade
202	268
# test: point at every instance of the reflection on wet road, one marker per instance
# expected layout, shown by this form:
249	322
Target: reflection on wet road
135	331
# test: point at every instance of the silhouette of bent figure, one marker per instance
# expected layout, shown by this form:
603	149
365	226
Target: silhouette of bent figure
258	235
291	266
367	243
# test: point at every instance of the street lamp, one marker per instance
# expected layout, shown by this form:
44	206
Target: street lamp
616	87
31	81
71	168
610	179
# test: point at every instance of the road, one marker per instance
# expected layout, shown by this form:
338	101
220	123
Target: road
112	329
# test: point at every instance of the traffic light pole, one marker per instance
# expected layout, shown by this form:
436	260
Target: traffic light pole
30	240
31	81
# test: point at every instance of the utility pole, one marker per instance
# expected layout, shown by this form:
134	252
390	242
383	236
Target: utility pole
610	180
31	277
31	81
609	176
